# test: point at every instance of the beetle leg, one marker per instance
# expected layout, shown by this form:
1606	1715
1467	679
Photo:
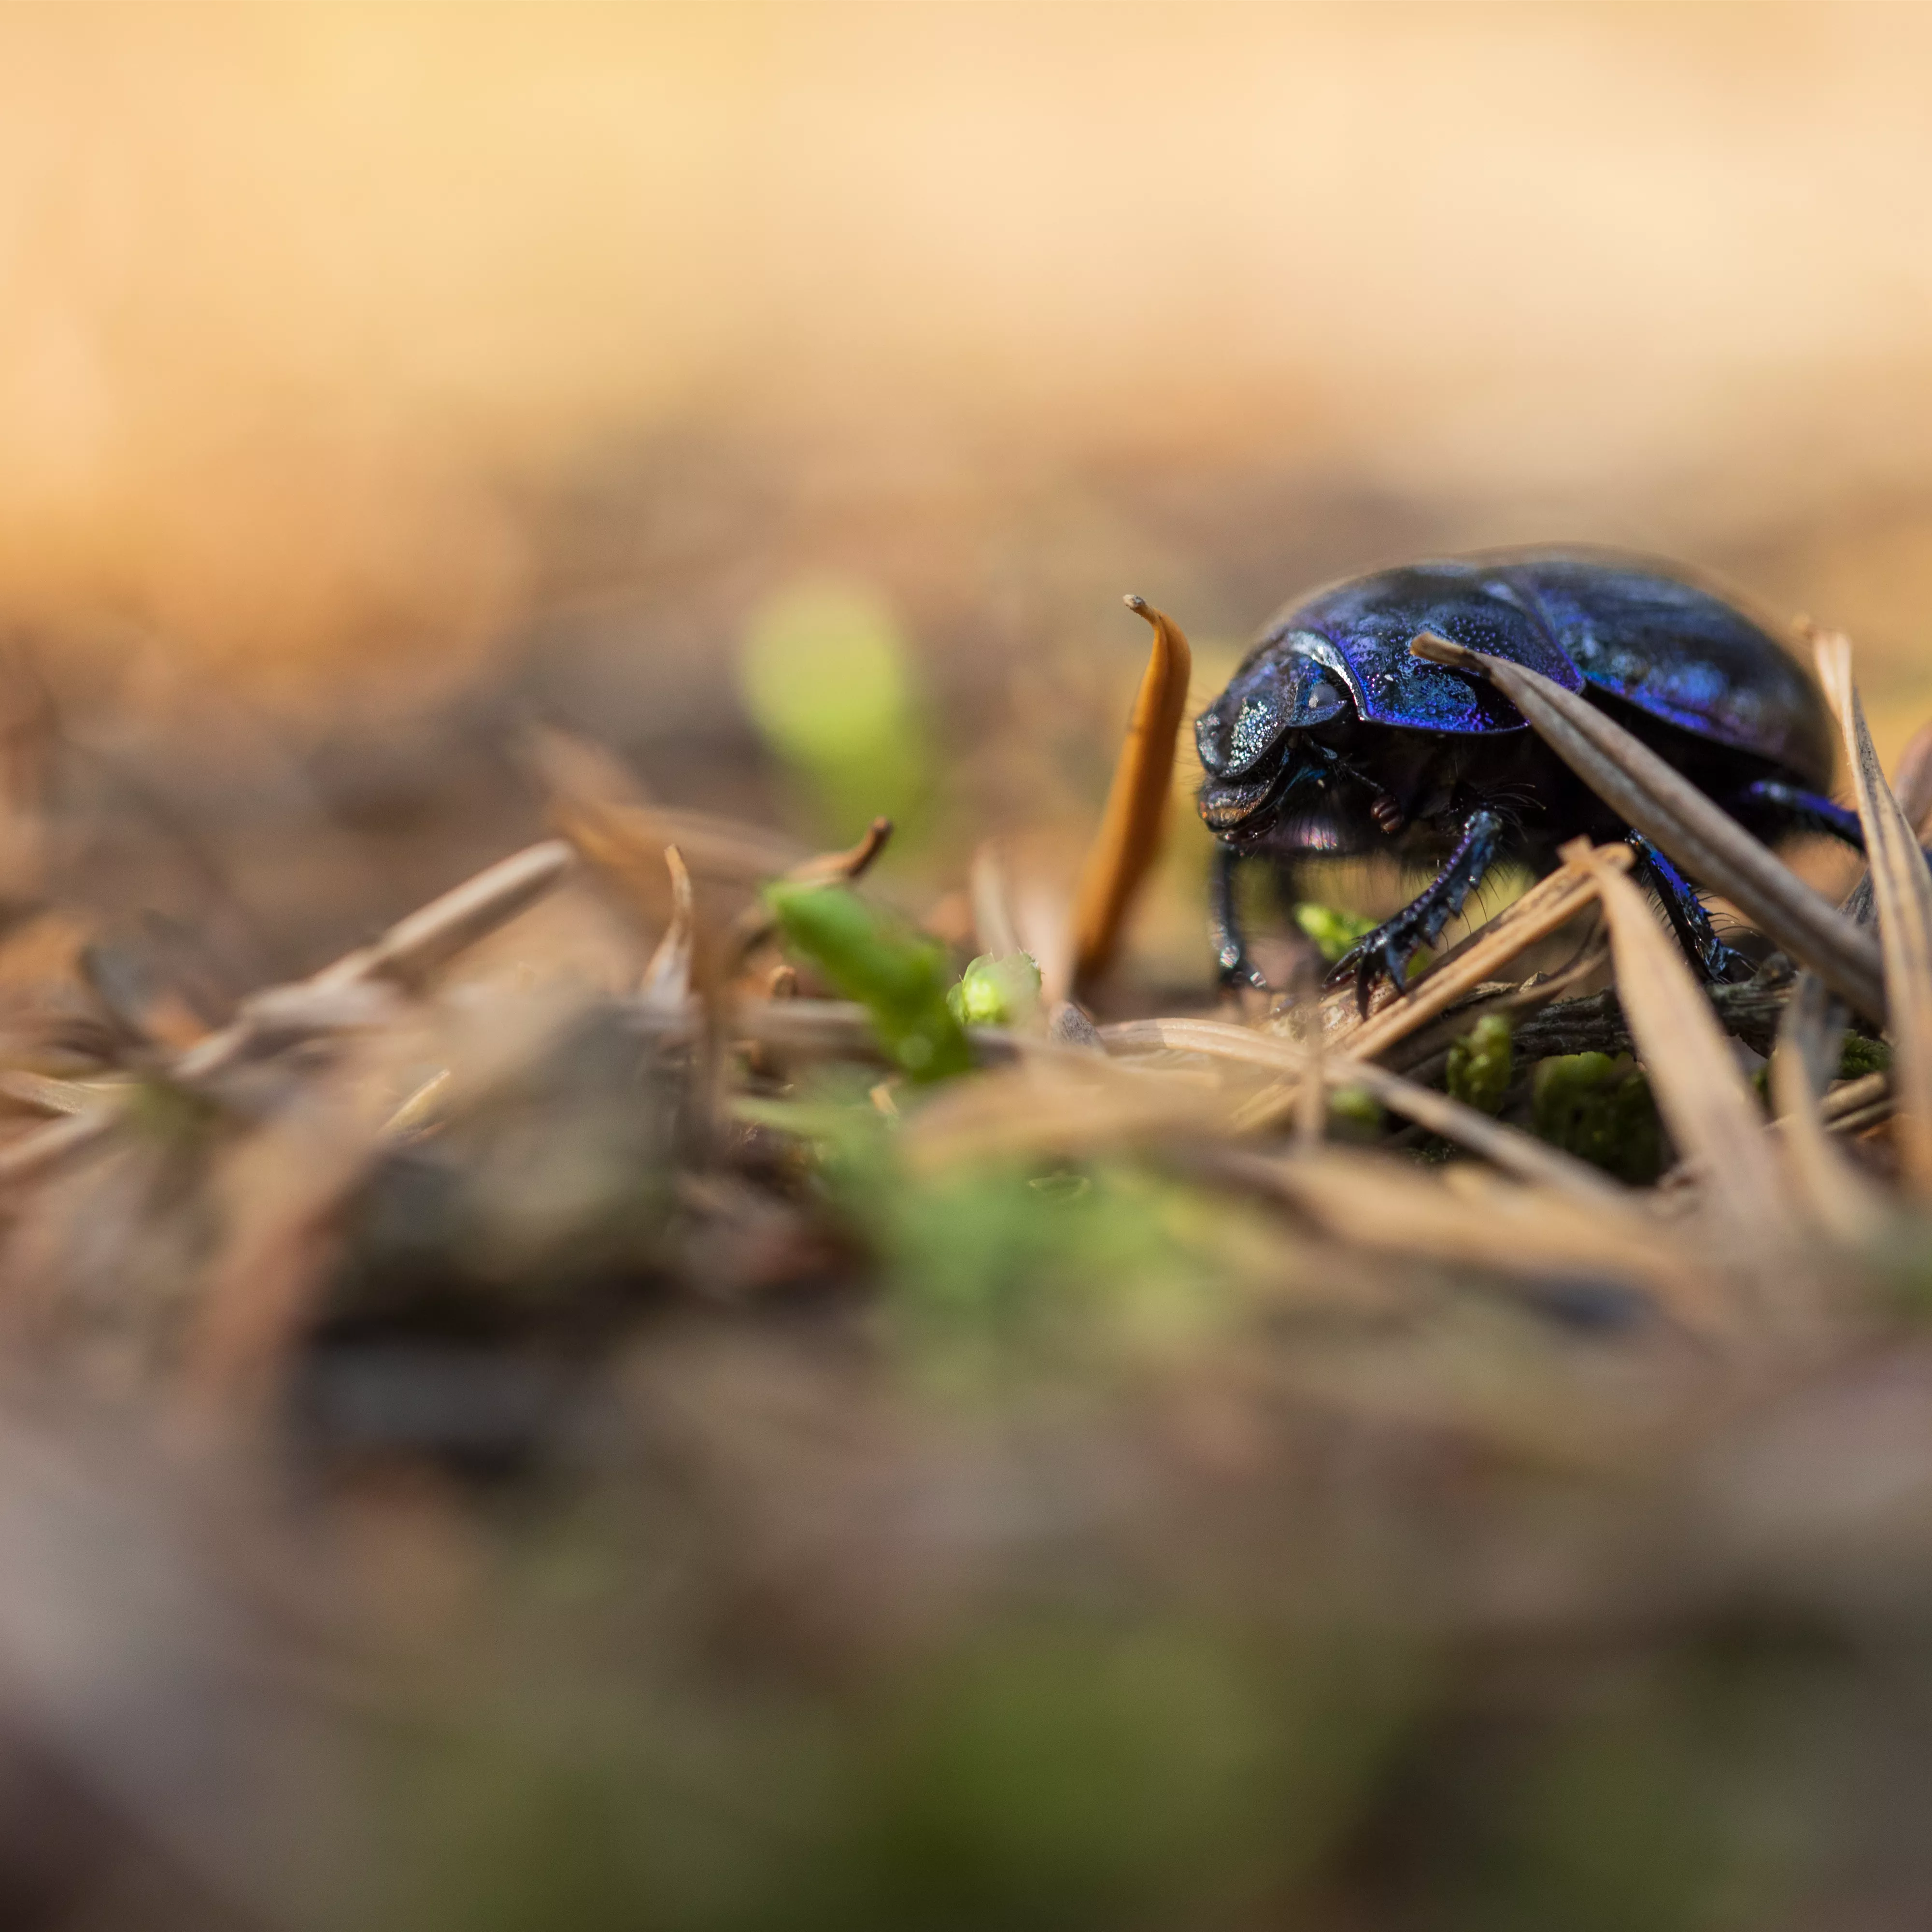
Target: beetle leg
1721	964
1808	812
1224	923
1381	954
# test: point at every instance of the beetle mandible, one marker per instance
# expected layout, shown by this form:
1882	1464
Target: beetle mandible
1332	739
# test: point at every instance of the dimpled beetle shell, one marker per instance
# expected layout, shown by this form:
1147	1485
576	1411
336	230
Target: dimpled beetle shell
1648	637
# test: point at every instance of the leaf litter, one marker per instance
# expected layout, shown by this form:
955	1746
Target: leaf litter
672	1392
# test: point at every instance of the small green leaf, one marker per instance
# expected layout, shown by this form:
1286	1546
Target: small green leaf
899	977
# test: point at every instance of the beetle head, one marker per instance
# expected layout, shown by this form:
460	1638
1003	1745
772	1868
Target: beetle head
1290	684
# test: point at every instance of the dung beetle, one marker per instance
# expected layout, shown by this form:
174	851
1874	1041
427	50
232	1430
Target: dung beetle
1332	739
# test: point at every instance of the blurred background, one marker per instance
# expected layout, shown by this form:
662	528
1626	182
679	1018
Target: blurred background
374	382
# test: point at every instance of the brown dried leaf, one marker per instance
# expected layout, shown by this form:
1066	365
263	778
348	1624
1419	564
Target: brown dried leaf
1128	839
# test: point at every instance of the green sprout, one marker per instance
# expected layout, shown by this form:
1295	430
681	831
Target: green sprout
898	976
826	673
1001	991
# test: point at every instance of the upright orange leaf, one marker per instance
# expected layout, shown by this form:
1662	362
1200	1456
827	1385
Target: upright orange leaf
1129	840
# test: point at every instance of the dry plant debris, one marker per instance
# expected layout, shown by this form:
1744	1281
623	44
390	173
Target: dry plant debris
794	1426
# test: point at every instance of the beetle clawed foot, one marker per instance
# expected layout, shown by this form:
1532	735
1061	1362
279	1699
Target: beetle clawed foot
1378	956
1236	971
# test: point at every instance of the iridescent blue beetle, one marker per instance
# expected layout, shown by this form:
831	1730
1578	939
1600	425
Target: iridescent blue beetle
1333	738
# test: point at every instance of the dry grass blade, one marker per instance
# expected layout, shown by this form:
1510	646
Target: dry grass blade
1902	892
1855	1096
280	1190
1515	1153
46	1148
1670	811
1711	1113
666	985
1912	780
755	924
826	868
1842	1202
1541	910
46	1096
1547	906
406	955
415	1114
1477	1221
597	806
415	947
1129	839
1064	1101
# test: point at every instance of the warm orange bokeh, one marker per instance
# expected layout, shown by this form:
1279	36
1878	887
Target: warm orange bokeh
304	307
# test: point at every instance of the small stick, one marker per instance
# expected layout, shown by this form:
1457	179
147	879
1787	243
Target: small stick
1128	839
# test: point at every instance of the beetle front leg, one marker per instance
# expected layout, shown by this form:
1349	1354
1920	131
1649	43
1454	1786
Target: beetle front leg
1381	954
1722	964
1224	923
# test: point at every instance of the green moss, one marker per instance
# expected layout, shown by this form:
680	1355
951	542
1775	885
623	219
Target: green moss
1600	1110
1861	1056
1480	1064
1354	1114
